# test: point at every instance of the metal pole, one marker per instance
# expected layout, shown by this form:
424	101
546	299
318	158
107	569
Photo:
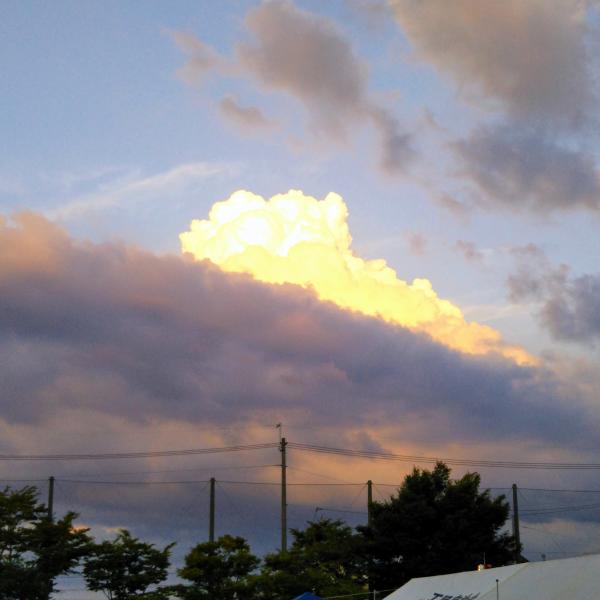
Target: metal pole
497	589
516	532
211	525
369	522
369	501
51	498
282	447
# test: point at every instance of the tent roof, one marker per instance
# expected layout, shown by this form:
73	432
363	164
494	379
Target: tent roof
307	596
573	578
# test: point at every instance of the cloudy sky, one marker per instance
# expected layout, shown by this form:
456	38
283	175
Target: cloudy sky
375	222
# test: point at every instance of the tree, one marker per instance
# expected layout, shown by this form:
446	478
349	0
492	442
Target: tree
34	550
125	567
435	525
324	558
221	569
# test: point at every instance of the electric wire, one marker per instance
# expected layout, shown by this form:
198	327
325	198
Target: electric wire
374	455
369	454
339	510
142	454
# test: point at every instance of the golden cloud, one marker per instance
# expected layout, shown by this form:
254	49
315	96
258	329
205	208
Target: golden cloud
298	239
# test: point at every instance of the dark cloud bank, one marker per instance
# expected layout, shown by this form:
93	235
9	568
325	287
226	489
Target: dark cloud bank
101	342
125	332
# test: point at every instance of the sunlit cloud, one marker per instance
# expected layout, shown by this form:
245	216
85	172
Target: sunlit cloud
295	238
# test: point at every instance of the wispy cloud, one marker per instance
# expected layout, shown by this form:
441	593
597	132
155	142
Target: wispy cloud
137	188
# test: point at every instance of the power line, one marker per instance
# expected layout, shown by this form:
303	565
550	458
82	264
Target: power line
302	483
91	482
246	482
317	474
429	459
155	472
574	491
340	510
146	454
558	509
44	480
369	454
223	481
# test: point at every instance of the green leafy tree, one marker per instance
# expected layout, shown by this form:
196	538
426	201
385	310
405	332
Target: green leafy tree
221	569
34	550
124	568
435	525
324	558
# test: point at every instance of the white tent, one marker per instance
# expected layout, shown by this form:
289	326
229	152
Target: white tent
568	579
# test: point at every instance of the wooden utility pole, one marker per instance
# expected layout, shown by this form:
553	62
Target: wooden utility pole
515	523
51	498
282	446
369	501
211	520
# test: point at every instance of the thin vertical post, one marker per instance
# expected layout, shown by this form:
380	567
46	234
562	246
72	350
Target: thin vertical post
282	446
369	502
51	498
211	524
515	523
369	522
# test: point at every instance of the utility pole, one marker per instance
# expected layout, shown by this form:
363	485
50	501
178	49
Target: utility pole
369	520
516	532
211	522
369	501
51	498
282	446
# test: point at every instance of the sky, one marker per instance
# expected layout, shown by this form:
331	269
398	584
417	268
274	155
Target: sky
373	221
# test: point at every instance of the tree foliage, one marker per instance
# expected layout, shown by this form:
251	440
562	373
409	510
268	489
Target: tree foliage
221	569
432	525
124	568
34	550
324	558
435	525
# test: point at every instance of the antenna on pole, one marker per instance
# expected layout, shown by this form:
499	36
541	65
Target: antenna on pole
280	427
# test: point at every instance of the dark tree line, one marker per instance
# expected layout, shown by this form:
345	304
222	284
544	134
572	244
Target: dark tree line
432	525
